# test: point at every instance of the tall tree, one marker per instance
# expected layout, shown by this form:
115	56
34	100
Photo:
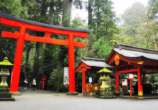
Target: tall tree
38	52
103	22
104	19
67	5
133	17
151	21
8	46
133	26
90	3
152	9
50	52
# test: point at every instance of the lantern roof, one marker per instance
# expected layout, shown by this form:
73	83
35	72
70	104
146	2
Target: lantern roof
104	70
5	62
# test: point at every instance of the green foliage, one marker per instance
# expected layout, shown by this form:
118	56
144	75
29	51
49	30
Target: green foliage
52	77
134	15
152	78
152	9
102	48
135	28
103	19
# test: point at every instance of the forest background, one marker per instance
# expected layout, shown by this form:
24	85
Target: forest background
137	26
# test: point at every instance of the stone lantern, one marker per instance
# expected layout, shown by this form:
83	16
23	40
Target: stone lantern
105	90
5	95
5	65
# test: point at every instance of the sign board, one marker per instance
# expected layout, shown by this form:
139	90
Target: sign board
66	76
90	79
130	76
124	82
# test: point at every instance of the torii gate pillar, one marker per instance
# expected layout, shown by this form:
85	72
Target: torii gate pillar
71	65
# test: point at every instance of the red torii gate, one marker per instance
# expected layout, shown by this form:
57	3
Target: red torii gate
24	25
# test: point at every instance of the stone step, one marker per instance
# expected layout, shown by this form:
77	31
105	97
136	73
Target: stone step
5	95
7	99
4	89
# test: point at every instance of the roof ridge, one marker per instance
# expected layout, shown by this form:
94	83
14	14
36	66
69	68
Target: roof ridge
129	47
93	59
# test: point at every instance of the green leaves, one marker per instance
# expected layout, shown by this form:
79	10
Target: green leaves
52	77
102	48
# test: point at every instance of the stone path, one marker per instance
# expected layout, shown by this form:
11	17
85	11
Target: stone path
47	100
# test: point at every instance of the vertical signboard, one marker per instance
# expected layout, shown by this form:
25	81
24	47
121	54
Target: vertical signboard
66	76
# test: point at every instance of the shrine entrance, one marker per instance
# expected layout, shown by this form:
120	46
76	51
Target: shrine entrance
139	61
21	36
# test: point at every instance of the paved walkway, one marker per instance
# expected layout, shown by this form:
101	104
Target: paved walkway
47	100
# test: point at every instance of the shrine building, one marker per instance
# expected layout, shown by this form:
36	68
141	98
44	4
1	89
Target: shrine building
130	59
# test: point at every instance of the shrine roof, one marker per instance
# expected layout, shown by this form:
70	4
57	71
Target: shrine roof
134	52
93	62
10	17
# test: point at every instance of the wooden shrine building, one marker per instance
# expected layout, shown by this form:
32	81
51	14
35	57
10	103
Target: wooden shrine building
91	65
130	59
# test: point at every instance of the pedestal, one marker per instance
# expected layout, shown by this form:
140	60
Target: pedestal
106	94
5	95
72	93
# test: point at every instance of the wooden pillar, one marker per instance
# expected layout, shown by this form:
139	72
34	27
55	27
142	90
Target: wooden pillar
17	62
144	77
83	82
117	81
140	88
83	70
43	84
71	64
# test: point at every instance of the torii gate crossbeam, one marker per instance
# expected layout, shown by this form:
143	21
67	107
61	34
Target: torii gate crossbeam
21	36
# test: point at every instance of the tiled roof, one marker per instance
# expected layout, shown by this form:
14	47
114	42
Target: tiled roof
92	62
135	52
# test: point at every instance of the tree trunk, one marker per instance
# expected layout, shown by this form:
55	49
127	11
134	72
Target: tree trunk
28	49
98	18
90	13
50	16
67	4
39	45
66	13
